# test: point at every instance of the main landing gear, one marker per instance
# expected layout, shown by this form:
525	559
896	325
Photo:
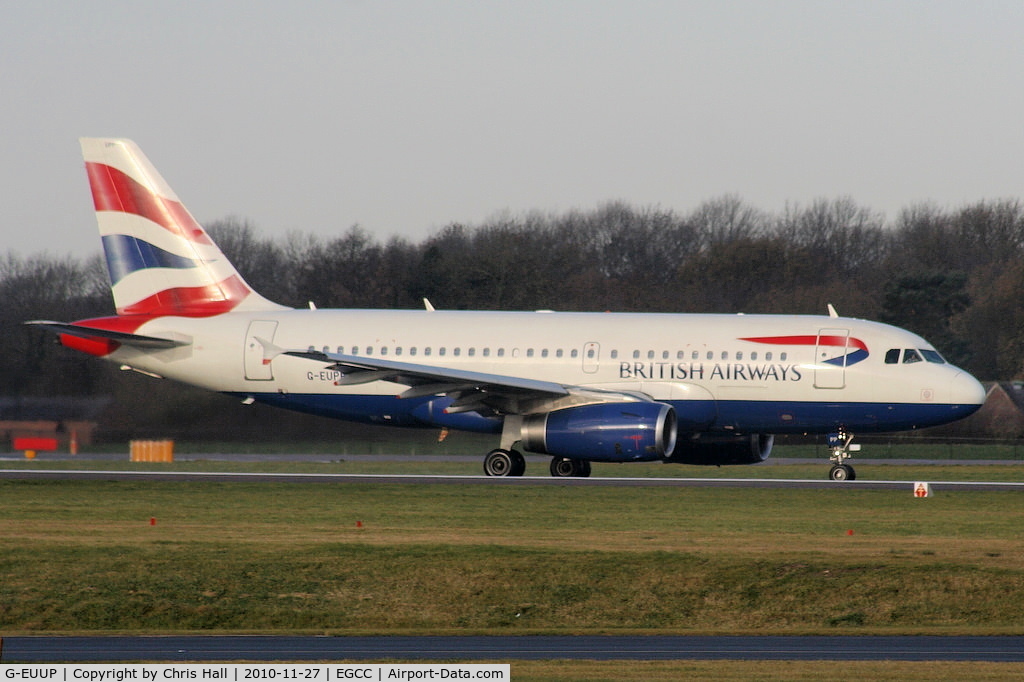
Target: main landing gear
505	461
566	466
842	445
502	462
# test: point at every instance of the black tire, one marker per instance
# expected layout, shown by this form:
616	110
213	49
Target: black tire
852	474
566	466
840	472
499	463
563	467
518	463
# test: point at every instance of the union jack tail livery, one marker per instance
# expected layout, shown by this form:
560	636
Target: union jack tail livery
160	260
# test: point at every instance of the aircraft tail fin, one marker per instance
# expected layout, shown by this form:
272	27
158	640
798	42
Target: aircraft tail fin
160	260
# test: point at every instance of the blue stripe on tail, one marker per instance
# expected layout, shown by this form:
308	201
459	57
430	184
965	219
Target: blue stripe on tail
126	254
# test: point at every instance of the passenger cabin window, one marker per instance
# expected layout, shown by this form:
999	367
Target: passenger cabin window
892	356
615	354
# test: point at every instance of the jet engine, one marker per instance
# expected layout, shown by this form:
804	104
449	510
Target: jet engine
604	432
718	450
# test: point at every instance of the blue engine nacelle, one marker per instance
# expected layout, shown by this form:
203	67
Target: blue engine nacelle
606	432
720	450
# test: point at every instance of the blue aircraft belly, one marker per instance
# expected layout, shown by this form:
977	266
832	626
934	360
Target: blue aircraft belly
732	415
381	409
823	417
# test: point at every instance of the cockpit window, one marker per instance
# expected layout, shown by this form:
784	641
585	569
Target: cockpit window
911	355
933	356
892	356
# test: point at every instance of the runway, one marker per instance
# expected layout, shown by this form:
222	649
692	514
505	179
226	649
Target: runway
416	479
501	648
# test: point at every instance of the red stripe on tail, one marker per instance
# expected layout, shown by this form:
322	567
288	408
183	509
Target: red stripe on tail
113	190
201	301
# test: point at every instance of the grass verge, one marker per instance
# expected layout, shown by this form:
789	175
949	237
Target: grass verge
84	557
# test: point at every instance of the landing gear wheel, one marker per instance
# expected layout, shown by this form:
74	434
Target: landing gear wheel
842	472
518	463
566	466
500	463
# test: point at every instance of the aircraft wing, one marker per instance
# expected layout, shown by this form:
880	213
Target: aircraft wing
126	338
472	391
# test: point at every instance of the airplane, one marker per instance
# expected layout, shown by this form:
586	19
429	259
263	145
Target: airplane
705	389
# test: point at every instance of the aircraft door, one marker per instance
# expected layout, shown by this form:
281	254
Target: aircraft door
255	368
591	357
830	354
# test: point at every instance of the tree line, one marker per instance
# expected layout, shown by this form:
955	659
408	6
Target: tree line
955	276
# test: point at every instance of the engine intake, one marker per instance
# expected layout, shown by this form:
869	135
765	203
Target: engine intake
605	432
716	451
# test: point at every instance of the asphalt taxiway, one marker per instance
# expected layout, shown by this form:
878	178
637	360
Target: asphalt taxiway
417	479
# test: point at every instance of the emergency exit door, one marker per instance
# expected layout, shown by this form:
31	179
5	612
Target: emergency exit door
831	353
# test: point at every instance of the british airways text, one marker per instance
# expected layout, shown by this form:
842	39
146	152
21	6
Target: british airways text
735	371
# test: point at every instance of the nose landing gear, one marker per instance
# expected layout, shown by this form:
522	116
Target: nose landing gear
842	445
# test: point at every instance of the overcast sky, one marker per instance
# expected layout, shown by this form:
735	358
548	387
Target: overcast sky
406	116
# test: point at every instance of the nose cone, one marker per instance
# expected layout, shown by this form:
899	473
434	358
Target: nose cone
966	393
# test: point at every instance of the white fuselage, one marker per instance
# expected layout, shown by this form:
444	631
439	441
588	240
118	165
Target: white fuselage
728	373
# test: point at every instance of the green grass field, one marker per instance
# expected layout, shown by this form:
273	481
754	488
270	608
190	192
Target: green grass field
83	557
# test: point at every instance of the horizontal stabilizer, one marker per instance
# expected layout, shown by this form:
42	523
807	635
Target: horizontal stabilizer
124	338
